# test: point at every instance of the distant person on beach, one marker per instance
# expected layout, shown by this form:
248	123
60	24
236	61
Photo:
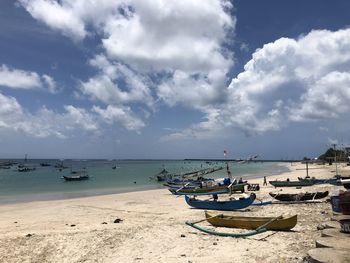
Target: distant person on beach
265	183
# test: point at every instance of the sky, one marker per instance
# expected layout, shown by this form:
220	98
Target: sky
145	79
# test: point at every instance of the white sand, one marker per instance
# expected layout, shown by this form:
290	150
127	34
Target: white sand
152	228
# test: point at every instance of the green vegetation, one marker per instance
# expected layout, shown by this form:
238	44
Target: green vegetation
330	153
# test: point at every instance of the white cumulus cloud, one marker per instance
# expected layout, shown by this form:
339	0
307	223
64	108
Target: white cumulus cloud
122	115
21	79
105	88
289	80
44	122
181	42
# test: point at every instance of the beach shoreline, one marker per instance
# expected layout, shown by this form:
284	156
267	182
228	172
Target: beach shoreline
33	197
152	228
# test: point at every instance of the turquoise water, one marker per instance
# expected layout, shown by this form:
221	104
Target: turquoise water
131	175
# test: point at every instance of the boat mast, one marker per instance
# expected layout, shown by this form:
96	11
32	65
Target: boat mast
227	167
335	158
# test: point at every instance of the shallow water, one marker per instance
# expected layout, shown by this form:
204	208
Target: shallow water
46	183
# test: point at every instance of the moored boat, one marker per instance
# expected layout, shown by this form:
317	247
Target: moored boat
200	190
288	183
25	169
222	220
228	205
77	176
332	181
208	190
299	196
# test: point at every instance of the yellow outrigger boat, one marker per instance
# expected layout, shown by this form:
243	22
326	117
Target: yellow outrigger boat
222	220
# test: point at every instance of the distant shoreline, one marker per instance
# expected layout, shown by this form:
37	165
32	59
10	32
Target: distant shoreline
186	159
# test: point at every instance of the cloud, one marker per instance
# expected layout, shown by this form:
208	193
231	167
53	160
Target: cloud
174	53
44	122
21	79
327	98
149	44
57	16
10	111
50	83
195	91
157	36
122	115
292	80
105	85
207	129
288	81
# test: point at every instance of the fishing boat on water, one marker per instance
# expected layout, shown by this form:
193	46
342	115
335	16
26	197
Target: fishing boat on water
299	196
163	175
25	169
288	183
245	222
229	205
60	166
77	176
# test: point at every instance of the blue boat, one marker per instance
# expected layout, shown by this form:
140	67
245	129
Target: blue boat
230	205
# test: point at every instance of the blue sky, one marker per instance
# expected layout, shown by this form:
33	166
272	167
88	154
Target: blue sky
173	79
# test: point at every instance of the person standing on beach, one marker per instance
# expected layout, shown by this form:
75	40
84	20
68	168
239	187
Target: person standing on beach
265	183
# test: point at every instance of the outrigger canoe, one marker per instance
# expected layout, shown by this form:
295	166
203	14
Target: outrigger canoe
222	189
221	220
292	183
332	181
200	191
299	196
221	205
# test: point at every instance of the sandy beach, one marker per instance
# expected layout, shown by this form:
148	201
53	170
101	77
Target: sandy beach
152	228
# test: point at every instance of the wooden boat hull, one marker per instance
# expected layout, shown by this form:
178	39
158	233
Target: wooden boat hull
177	186
332	181
207	190
299	197
291	183
244	222
221	205
199	191
75	178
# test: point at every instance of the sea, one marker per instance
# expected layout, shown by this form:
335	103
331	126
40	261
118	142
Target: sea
47	183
